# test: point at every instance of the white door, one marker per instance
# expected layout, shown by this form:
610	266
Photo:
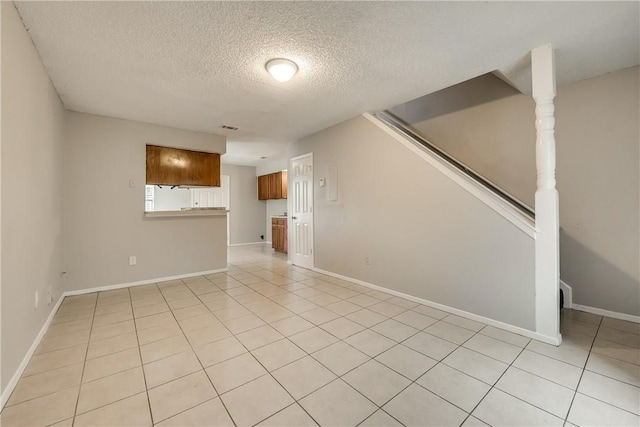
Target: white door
301	224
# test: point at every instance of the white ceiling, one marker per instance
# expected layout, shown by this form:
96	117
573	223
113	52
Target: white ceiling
200	65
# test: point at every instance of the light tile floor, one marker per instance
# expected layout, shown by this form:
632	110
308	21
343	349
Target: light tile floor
272	344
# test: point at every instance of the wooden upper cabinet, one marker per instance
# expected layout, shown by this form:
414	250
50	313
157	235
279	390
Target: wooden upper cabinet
275	185
272	186
285	181
263	187
174	166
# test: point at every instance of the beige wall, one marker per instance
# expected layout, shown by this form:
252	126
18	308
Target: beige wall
424	235
597	141
495	137
273	207
32	120
247	216
104	219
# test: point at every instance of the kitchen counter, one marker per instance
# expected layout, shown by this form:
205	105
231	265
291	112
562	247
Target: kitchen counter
187	213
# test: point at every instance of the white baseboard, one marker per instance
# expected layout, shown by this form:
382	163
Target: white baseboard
607	313
262	242
25	361
568	294
27	357
142	282
568	303
507	327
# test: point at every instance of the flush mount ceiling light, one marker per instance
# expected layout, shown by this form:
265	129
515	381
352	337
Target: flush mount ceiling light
281	69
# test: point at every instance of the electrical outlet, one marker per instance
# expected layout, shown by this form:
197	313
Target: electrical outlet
132	260
37	298
50	295
132	183
367	261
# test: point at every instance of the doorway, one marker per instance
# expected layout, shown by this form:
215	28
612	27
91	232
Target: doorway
301	225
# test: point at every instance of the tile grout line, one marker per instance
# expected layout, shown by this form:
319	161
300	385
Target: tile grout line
441	361
295	401
219	396
199	361
84	364
44	372
458	346
97	379
582	375
406	338
370	358
565	419
575	393
316	286
492	386
144	375
88	382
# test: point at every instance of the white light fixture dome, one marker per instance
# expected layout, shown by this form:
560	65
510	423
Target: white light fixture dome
281	69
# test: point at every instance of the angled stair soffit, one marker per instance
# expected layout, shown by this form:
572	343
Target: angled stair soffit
517	74
470	93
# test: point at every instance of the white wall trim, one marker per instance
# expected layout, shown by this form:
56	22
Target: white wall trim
607	313
568	303
553	340
142	282
568	294
27	357
487	197
250	243
547	250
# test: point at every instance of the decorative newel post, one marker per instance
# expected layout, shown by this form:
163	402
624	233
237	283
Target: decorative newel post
547	214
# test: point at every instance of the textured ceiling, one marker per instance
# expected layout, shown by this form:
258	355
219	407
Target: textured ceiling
200	65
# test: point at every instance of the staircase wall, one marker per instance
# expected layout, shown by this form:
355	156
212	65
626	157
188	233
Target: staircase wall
424	234
598	162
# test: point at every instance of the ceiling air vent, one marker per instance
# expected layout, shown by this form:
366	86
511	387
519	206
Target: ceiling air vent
229	127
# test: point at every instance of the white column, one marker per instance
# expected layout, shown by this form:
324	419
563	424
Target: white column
547	216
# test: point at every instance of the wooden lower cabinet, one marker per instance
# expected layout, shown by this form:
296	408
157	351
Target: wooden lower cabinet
279	234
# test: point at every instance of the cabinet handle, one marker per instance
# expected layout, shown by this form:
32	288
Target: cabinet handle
294	217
